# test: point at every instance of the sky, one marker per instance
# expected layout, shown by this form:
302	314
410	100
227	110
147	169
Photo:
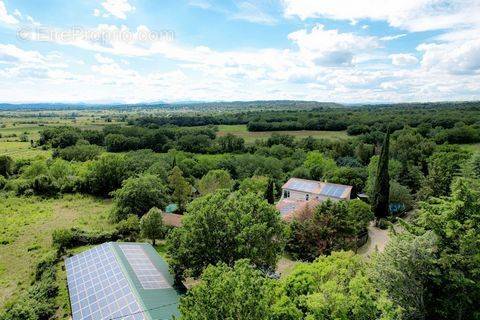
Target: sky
133	51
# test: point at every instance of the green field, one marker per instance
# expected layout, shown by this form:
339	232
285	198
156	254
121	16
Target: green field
475	147
26	226
241	131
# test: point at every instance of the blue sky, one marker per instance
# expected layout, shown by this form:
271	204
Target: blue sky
190	50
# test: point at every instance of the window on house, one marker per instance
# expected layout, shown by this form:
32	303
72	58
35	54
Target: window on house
307	196
286	193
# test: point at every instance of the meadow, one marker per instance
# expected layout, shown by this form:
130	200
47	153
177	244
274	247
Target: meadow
26	226
240	130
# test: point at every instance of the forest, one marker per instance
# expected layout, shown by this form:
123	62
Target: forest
414	169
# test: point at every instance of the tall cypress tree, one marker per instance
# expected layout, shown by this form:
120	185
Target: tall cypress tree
270	192
381	191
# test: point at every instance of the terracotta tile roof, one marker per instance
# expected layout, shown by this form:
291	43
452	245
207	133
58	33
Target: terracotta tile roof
291	208
172	219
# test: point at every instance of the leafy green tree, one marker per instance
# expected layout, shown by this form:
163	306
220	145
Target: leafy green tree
66	138
223	227
151	225
255	184
337	287
328	227
404	270
454	288
381	190
400	195
181	189
80	152
283	139
320	166
443	166
138	195
409	146
6	166
359	214
355	177
472	167
214	180
364	152
224	292
231	143
105	174
128	229
35	169
195	143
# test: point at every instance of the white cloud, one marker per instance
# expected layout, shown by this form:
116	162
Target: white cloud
10	54
202	4
5	17
394	37
252	12
17	13
118	8
32	21
403	59
459	57
102	59
412	15
96	12
331	47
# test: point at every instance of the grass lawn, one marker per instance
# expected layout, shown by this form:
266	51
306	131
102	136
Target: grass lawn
240	130
21	150
26	225
474	147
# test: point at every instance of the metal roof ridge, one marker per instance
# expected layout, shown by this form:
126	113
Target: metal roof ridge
117	251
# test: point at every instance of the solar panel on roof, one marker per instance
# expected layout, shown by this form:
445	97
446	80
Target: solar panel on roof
333	190
98	288
146	272
308	186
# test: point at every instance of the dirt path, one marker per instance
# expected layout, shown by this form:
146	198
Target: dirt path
378	238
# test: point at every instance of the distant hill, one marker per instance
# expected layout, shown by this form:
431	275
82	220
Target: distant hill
192	106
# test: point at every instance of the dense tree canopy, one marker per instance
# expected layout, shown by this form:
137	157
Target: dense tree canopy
138	195
223	227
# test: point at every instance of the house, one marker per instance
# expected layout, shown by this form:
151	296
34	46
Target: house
299	193
120	280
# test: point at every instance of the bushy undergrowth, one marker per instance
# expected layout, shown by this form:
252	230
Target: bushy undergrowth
38	301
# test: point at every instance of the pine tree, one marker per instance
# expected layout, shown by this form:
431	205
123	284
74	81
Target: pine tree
381	191
270	192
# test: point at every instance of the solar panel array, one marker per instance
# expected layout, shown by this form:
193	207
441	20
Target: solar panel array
148	275
98	287
307	186
332	190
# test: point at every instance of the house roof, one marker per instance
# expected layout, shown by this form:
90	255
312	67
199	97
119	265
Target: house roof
327	189
125	280
289	207
172	219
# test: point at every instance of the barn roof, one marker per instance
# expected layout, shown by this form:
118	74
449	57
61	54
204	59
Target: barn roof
121	280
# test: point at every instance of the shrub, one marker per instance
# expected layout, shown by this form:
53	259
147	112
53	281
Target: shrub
38	302
69	238
80	152
129	229
6	166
